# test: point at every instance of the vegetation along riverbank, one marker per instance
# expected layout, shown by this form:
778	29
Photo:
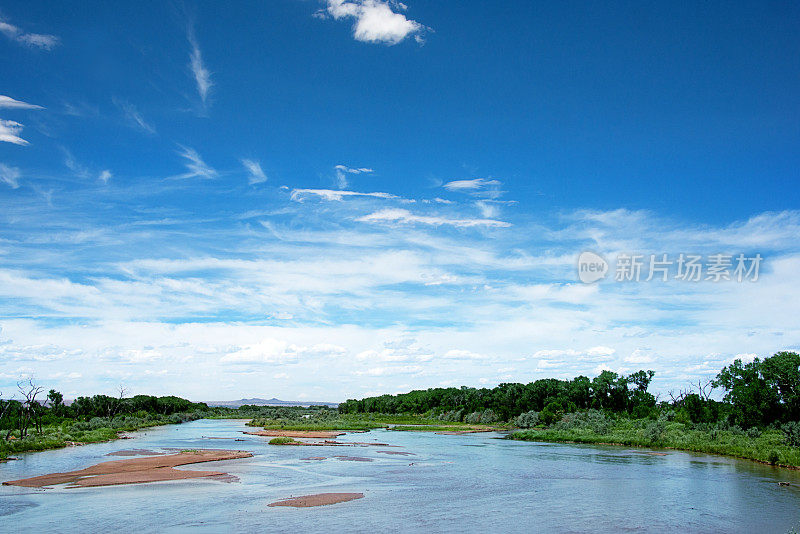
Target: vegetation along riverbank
748	410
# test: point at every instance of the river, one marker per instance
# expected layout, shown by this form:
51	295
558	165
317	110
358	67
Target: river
464	483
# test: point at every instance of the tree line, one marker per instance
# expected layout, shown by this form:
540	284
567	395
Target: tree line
755	394
34	410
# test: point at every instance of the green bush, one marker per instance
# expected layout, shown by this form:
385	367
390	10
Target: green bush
551	413
283	441
589	420
792	432
527	419
654	431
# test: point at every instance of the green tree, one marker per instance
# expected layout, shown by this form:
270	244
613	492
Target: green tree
782	374
753	400
56	400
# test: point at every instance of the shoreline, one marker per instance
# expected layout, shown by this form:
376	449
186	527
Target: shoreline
655	449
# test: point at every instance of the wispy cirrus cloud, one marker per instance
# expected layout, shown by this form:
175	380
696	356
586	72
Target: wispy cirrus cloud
9	175
354	170
10	103
343	170
401	216
336	195
376	21
202	76
506	307
34	40
9	132
133	116
477	187
195	166
255	172
77	168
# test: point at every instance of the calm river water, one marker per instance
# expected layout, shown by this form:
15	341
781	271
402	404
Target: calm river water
467	483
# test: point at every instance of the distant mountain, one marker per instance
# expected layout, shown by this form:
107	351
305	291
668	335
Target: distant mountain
268	402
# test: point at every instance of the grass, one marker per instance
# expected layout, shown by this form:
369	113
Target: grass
768	446
69	432
54	437
283	441
361	422
451	427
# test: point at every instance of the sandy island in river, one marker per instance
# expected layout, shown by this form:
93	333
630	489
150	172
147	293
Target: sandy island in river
317	434
136	470
320	499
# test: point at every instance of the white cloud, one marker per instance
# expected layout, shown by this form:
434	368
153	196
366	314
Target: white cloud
343	170
195	166
9	132
354	286
140	355
74	165
272	350
253	167
376	21
9	175
202	76
390	370
460	354
134	117
335	195
470	185
477	187
401	216
8	102
105	176
639	356
354	170
36	40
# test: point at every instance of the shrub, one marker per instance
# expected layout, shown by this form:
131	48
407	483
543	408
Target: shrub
655	430
527	419
551	413
451	416
791	432
283	441
488	416
473	418
592	420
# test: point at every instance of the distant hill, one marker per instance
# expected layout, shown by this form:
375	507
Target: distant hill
269	402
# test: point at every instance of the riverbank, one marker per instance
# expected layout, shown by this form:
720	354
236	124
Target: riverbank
325	422
767	447
75	433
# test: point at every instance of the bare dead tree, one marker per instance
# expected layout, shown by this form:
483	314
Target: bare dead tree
30	414
115	407
677	397
705	388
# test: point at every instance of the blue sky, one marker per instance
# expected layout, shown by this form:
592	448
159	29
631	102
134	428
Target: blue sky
331	199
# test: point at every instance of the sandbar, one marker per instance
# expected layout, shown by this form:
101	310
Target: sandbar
320	499
135	470
318	434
